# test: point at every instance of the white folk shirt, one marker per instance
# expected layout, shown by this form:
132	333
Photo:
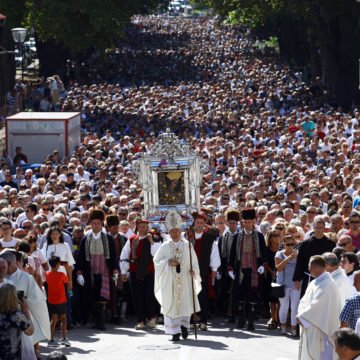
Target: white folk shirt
215	260
126	252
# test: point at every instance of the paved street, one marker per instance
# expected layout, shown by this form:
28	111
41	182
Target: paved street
220	342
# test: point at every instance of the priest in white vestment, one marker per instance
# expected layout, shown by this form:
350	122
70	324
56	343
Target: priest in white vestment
175	281
318	314
34	297
339	276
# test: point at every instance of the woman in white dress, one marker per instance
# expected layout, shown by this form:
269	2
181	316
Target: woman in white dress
55	245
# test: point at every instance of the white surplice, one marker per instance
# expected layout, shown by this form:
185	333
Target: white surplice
174	290
342	282
37	304
319	311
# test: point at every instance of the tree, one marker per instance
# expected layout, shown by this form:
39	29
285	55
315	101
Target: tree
322	34
73	27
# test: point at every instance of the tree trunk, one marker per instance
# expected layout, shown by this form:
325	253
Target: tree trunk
7	65
52	58
348	87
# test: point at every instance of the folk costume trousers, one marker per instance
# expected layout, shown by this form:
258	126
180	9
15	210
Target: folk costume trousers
143	296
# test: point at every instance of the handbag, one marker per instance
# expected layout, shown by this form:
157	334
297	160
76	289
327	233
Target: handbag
277	290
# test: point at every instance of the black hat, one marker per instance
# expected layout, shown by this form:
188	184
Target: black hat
96	214
248	214
112	220
232	215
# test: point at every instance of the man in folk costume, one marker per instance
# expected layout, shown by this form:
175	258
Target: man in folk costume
246	261
137	257
318	314
206	249
96	265
227	243
177	280
119	291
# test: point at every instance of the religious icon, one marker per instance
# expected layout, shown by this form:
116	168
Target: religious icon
171	187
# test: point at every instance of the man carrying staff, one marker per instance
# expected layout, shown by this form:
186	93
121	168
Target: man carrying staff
96	265
203	239
137	257
177	279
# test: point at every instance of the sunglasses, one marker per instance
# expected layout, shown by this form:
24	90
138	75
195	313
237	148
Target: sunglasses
292	244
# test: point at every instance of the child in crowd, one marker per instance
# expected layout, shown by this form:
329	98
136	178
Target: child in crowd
56	290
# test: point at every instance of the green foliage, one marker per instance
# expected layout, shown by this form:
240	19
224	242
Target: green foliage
14	10
76	24
324	34
271	43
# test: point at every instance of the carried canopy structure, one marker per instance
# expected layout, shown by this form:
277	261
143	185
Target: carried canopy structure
170	175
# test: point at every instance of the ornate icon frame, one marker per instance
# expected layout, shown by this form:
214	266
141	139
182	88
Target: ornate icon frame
170	157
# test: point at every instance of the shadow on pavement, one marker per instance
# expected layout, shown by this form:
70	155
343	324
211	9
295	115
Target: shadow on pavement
213	345
66	351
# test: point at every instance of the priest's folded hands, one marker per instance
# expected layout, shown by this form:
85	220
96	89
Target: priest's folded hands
173	262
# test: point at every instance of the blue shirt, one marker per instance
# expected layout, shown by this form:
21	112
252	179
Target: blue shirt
308	127
285	276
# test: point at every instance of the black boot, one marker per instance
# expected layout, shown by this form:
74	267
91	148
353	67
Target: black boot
96	315
100	317
184	332
242	315
251	317
175	337
116	318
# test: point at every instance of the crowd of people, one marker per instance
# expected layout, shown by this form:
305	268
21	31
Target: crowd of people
279	204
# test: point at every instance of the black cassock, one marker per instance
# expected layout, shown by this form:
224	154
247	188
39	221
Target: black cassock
308	248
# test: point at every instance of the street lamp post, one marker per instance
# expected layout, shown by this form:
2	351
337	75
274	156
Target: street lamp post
19	35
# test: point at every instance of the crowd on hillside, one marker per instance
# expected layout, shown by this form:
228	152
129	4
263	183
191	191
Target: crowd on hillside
272	142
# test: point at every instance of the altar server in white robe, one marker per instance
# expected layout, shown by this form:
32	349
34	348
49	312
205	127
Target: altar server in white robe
339	276
173	280
34	297
318	314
